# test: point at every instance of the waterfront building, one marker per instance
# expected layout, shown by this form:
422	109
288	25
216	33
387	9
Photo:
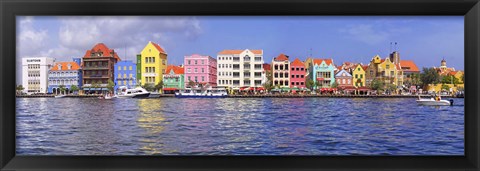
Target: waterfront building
348	66
323	71
281	71
266	73
240	68
65	74
201	70
35	74
151	64
308	64
125	74
174	79
387	70
98	68
297	74
358	76
343	79
443	69
372	71
390	72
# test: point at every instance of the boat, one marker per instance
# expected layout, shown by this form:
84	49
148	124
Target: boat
433	102
60	96
212	92
138	92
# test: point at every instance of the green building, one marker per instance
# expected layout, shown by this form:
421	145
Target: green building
173	79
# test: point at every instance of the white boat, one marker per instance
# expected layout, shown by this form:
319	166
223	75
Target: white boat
138	92
60	96
433	102
212	92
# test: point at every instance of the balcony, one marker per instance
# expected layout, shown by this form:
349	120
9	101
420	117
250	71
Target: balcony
96	76
149	74
236	68
95	67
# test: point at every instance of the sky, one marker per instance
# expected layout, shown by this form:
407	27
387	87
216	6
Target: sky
425	39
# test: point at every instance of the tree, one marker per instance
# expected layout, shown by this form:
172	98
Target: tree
159	86
429	76
445	87
463	77
62	89
149	86
309	83
19	88
335	84
191	83
317	85
74	88
110	85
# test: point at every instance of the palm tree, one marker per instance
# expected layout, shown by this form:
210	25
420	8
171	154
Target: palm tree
74	88
95	85
62	89
19	88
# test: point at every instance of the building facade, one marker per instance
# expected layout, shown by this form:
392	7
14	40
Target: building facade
343	79
372	70
65	74
152	64
281	71
125	74
240	68
201	70
98	68
358	76
35	74
323	72
297	74
174	79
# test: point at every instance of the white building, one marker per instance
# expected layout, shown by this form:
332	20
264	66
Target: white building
240	68
281	71
35	74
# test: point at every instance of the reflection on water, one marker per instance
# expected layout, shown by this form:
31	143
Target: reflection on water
269	126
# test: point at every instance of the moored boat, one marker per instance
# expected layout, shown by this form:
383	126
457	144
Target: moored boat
138	92
434	102
60	96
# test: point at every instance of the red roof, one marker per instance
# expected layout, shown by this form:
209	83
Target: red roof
229	52
319	61
297	62
176	69
158	47
281	57
100	47
65	66
365	67
267	67
409	65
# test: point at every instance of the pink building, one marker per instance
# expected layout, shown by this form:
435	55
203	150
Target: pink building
297	72
201	70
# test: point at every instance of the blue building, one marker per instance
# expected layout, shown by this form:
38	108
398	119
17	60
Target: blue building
323	71
125	74
67	74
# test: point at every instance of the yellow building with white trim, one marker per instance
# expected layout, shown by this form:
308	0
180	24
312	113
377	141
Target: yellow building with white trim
153	64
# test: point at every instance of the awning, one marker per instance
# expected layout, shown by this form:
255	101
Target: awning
169	89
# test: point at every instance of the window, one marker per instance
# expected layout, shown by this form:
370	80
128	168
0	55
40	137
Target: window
188	62
124	75
203	78
388	66
358	69
356	75
163	62
130	68
196	78
119	75
124	67
119	83
130	76
203	62
119	68
203	70
195	62
188	71
196	70
189	78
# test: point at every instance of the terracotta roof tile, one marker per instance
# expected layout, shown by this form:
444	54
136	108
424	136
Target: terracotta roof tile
281	57
297	62
176	69
65	66
229	52
158	47
100	47
319	61
409	65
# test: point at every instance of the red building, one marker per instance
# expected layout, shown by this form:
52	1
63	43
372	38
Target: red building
297	74
98	67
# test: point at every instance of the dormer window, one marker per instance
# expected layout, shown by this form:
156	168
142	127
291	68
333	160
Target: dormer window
69	66
59	66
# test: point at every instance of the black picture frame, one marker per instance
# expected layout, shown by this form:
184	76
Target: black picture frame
11	8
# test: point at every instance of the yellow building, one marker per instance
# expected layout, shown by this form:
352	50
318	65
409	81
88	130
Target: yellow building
458	75
390	72
153	65
358	76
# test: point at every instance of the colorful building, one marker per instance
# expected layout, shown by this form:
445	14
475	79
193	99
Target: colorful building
152	64
343	79
98	68
174	79
390	72
240	68
372	70
201	70
323	71
35	74
125	74
297	74
281	71
266	73
65	74
358	76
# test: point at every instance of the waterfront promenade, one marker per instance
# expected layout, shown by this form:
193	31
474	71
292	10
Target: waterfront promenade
260	96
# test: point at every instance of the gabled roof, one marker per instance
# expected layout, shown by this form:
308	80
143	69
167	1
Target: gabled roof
176	69
319	61
158	47
281	57
297	62
338	74
65	66
267	67
365	67
409	65
100	47
230	52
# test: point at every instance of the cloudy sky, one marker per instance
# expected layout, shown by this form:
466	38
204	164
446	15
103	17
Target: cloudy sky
426	40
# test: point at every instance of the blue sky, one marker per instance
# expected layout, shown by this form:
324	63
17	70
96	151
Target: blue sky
424	39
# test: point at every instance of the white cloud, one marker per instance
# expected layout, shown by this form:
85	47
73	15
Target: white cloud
30	41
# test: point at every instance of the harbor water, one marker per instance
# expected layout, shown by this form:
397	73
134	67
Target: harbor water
238	126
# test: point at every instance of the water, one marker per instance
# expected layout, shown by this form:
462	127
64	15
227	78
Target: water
269	126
